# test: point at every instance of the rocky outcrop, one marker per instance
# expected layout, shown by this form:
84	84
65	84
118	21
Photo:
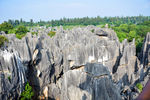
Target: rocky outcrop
75	64
128	63
145	54
12	75
91	82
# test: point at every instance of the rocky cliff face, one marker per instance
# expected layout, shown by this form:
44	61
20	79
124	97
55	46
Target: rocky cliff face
77	64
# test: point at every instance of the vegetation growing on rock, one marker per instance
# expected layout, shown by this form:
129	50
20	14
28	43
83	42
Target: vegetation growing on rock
36	33
51	33
9	78
3	39
5	27
92	30
139	86
8	28
28	93
21	32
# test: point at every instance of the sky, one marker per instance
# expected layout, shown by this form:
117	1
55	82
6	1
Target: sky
56	9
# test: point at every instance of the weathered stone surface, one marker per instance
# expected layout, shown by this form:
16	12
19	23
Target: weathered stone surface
145	51
12	75
92	82
129	63
76	64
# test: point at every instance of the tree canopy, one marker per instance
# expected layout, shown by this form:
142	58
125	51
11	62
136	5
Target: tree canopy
5	27
130	31
116	21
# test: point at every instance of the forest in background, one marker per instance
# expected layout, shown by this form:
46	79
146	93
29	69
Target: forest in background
116	21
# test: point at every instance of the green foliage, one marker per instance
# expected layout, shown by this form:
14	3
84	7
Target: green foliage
5	27
103	26
139	43
20	36
132	27
131	35
117	21
12	31
124	28
139	86
36	33
9	78
92	30
142	30
147	23
121	36
27	93
21	30
3	39
131	31
51	33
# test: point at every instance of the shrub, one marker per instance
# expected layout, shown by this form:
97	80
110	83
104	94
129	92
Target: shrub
12	31
20	36
5	27
92	30
21	30
9	78
3	39
27	93
121	36
34	33
51	33
103	26
139	86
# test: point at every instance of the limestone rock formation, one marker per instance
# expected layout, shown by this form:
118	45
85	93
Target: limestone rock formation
75	64
145	55
12	75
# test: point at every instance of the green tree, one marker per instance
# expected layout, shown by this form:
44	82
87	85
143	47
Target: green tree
17	22
124	28
21	30
131	35
132	27
5	27
31	22
121	36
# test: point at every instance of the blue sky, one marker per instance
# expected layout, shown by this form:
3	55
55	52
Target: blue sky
56	9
